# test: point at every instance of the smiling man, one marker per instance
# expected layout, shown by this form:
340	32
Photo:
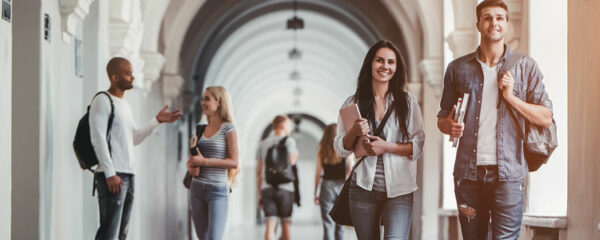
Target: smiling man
114	176
490	167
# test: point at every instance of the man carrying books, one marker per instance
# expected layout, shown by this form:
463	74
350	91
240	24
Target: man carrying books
490	166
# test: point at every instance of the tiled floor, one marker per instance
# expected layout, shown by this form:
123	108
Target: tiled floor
300	231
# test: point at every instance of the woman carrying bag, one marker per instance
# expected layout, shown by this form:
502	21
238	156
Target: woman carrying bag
214	165
331	172
382	185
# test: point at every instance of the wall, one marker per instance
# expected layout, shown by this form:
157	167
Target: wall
26	139
5	125
583	210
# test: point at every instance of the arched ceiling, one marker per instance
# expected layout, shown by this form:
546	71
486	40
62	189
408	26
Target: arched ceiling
243	46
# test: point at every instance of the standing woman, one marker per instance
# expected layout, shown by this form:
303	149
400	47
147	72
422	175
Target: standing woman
335	169
218	152
382	186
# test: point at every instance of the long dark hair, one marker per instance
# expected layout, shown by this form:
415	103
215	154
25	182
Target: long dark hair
364	89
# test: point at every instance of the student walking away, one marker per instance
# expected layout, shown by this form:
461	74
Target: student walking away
275	157
382	186
114	177
490	166
333	170
214	165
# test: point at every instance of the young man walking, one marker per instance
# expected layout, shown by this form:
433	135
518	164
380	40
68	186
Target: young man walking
276	200
490	166
114	177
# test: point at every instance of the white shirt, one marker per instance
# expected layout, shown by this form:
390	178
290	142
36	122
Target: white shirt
486	139
124	135
400	171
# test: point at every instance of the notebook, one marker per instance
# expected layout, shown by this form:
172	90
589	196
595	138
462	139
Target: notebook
349	115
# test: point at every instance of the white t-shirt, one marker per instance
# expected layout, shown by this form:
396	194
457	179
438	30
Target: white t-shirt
488	117
124	135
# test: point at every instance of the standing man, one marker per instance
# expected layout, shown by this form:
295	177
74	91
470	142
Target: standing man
490	166
276	200
114	175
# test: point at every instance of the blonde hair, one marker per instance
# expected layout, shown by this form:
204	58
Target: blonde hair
226	113
226	109
326	152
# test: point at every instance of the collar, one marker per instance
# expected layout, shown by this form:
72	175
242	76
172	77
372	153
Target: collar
507	53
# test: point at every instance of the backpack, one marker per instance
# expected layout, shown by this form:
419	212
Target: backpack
538	142
278	169
82	145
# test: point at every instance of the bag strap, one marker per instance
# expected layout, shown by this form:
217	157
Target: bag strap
111	117
508	65
200	130
377	132
282	142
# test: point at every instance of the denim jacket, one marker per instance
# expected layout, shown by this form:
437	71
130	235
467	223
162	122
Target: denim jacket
464	75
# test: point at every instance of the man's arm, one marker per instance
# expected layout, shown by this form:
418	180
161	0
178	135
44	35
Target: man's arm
99	113
535	112
139	134
446	122
98	117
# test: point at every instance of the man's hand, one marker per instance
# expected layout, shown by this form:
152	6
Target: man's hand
375	147
456	129
316	200
114	184
167	117
506	84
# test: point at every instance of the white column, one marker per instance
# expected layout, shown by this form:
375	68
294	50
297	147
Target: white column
5	125
25	211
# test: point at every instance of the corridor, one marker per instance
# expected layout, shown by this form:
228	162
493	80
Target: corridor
299	58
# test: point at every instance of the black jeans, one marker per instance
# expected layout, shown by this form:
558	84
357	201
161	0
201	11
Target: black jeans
114	209
489	199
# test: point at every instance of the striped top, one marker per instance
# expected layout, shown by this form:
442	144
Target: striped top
379	182
215	147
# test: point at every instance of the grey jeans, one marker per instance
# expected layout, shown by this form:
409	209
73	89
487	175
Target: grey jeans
209	209
330	189
115	209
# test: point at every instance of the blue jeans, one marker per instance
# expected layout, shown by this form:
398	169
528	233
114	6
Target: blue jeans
486	198
209	209
330	189
370	209
114	209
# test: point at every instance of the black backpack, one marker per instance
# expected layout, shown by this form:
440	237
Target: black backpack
278	169
82	145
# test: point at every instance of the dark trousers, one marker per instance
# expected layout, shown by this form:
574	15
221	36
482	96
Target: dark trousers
115	209
488	199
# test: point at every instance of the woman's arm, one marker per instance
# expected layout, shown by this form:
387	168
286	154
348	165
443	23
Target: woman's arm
231	162
317	178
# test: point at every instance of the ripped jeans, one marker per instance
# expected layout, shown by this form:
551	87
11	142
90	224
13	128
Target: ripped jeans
489	199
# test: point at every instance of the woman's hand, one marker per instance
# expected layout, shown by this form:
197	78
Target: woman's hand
359	128
196	160
375	147
316	200
194	171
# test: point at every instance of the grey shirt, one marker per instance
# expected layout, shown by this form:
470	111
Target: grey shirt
215	147
464	75
261	154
